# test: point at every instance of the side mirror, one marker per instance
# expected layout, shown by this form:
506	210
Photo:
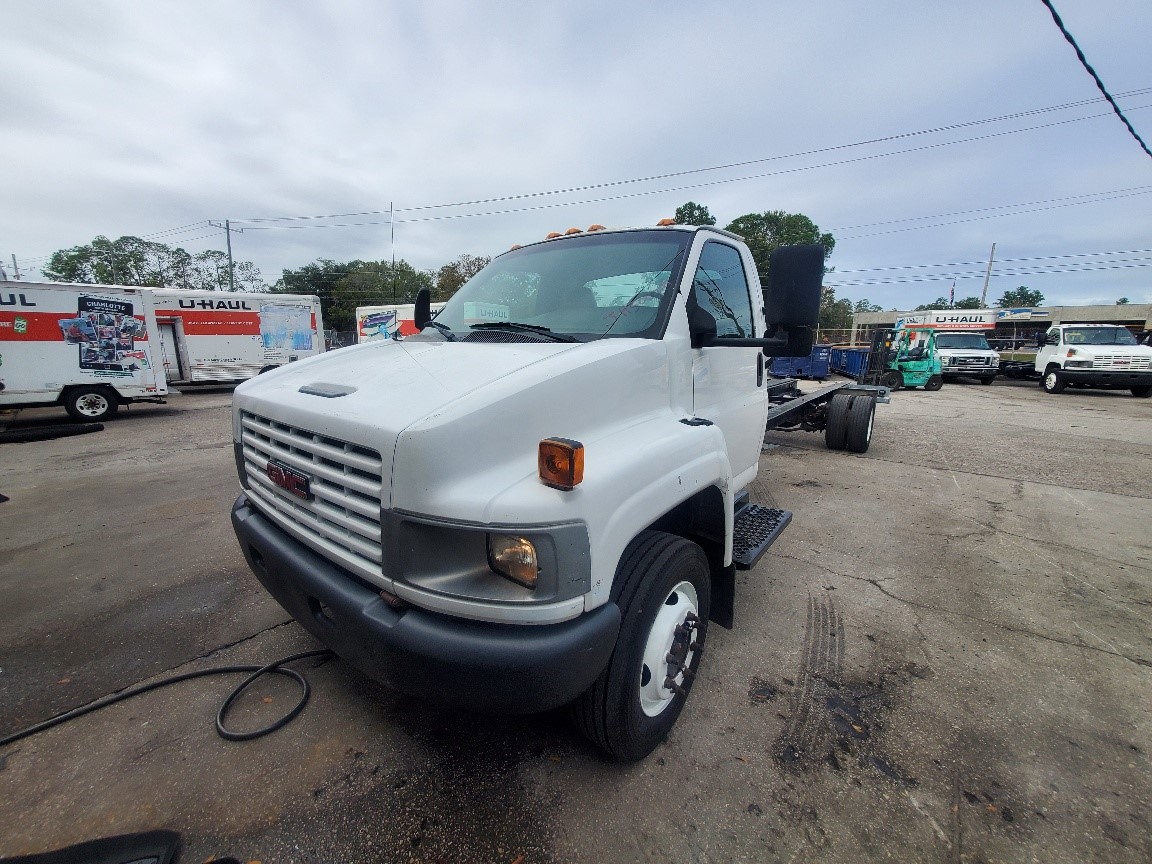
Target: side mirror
701	324
422	314
1041	340
792	298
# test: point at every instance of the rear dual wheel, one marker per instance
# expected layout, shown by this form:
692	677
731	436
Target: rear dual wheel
849	420
90	404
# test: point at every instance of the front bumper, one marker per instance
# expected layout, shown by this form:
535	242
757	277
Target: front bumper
1114	379
502	668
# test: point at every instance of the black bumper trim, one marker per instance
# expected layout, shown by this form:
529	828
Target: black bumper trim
502	668
1119	379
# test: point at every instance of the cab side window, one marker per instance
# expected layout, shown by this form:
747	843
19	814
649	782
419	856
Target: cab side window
722	291
1054	336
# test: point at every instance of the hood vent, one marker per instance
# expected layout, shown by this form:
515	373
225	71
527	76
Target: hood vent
328	391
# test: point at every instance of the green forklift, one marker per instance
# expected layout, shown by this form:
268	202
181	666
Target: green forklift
903	357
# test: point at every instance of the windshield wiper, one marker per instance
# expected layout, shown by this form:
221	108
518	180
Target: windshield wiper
445	329
526	328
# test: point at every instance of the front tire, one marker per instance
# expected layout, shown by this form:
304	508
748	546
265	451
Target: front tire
662	587
892	380
934	383
987	381
90	404
1054	381
1142	391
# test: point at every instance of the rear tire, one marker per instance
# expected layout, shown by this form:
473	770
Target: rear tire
861	415
1053	381
934	383
836	421
1142	391
90	404
662	587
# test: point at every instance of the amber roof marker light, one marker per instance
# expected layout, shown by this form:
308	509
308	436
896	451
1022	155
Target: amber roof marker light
561	463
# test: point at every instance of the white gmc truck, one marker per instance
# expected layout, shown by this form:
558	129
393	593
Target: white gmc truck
1093	355
539	499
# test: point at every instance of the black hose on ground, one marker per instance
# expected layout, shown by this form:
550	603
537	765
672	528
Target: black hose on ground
273	668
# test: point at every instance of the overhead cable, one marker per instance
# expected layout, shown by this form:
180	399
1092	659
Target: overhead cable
1099	84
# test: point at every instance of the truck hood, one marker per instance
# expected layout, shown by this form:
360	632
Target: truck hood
464	397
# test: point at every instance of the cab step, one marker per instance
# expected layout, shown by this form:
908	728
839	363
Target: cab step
756	529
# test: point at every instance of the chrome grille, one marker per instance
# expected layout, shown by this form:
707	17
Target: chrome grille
342	520
1120	361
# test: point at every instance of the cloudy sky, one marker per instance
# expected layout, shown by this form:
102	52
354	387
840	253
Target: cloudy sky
918	133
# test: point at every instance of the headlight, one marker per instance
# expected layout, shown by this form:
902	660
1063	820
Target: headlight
513	558
1078	364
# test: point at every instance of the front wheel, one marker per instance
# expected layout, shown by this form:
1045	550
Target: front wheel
892	380
1054	381
934	383
987	381
1142	391
664	596
90	404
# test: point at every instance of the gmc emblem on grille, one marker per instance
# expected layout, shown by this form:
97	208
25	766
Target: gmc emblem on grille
289	479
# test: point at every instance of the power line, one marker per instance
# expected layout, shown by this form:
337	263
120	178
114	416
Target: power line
979	274
1070	255
1099	84
728	166
682	188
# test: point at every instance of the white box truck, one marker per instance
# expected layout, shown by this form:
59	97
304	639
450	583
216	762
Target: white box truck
222	337
541	498
376	323
1104	356
89	348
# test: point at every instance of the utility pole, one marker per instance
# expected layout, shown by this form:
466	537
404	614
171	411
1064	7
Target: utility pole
392	225
228	229
15	267
231	267
987	276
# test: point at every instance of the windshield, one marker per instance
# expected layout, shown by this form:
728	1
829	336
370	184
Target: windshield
588	286
1099	336
974	341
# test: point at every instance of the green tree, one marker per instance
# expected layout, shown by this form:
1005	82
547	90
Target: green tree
134	261
342	286
968	303
765	232
866	306
1123	301
834	314
938	303
452	275
693	214
1020	297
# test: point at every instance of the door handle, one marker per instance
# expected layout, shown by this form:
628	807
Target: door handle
759	370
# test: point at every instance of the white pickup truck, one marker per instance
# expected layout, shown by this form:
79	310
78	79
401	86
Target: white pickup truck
1093	355
539	499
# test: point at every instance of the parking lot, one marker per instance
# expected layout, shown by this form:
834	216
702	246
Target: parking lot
946	657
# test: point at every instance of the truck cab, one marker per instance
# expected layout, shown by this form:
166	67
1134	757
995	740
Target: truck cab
1104	356
966	353
539	499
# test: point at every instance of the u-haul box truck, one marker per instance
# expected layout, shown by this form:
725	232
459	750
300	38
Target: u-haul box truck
374	323
89	348
210	336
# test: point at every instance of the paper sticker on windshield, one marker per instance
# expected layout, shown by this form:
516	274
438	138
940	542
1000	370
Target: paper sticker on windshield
476	313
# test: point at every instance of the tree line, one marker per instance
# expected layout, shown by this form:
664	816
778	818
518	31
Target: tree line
344	285
340	285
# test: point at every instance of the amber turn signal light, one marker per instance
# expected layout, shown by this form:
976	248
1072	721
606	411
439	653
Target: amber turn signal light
561	463
664	223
